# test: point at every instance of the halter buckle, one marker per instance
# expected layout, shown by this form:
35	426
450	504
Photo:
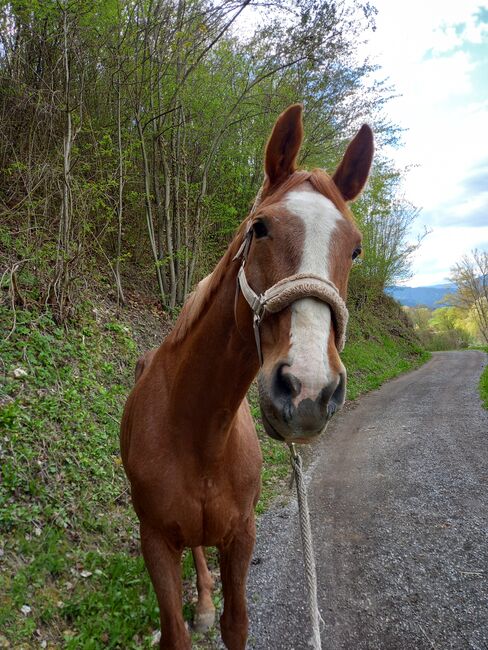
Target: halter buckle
258	306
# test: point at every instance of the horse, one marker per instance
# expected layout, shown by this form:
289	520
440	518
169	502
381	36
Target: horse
274	304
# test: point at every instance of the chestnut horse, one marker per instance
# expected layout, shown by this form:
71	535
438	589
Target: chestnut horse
188	441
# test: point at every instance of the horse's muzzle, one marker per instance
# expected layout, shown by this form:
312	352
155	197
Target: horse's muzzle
287	417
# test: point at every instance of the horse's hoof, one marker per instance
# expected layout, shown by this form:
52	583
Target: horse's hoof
203	621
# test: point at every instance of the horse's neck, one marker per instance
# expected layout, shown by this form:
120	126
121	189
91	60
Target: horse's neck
216	363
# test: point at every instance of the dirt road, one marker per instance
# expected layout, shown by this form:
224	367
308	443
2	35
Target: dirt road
398	495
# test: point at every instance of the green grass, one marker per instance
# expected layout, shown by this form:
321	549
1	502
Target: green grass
483	385
70	568
372	362
69	539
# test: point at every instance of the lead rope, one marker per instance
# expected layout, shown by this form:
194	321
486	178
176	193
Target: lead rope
307	545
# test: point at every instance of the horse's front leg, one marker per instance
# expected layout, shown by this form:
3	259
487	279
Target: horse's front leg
164	565
235	558
205	611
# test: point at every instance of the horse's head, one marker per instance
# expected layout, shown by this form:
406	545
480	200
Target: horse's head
301	226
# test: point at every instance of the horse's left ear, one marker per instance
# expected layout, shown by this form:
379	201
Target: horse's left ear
352	173
284	144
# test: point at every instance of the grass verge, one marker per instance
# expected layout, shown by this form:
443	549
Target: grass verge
483	385
71	573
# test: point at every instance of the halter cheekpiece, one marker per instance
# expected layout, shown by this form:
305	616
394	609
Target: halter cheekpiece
285	292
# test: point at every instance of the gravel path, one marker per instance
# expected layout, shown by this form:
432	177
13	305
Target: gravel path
399	505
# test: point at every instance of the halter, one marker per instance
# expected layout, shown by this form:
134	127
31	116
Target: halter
285	292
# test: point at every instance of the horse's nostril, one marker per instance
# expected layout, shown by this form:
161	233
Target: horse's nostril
339	395
285	384
331	397
326	395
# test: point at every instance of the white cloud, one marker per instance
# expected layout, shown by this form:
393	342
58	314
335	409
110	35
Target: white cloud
408	30
441	249
447	142
421	47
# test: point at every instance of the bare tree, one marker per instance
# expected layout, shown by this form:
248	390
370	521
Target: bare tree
66	249
470	276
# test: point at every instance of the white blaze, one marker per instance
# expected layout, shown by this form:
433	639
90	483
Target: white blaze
311	319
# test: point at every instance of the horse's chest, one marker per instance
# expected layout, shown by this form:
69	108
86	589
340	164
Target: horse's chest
205	510
223	506
197	502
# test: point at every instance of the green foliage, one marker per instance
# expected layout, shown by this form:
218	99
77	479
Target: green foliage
68	533
450	329
62	396
95	598
118	607
444	319
384	217
470	275
445	328
62	483
162	200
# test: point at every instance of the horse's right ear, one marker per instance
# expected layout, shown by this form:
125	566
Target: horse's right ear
283	145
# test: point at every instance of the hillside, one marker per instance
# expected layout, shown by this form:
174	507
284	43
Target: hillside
72	575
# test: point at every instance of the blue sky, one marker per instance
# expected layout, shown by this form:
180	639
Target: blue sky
436	55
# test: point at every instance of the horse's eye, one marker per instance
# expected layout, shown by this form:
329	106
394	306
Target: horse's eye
260	229
357	251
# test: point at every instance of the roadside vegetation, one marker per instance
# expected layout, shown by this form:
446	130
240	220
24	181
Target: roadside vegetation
484	384
444	328
461	320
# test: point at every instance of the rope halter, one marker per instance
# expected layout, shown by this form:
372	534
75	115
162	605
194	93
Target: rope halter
285	292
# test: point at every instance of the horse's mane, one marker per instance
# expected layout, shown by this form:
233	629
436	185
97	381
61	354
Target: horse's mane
197	302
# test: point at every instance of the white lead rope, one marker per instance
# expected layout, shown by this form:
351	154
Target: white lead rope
306	534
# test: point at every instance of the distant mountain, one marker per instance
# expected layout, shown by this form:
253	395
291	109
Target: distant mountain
425	296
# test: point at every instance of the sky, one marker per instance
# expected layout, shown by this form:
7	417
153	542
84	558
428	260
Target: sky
435	53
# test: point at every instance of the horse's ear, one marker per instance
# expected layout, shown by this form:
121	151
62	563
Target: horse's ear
284	144
352	173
